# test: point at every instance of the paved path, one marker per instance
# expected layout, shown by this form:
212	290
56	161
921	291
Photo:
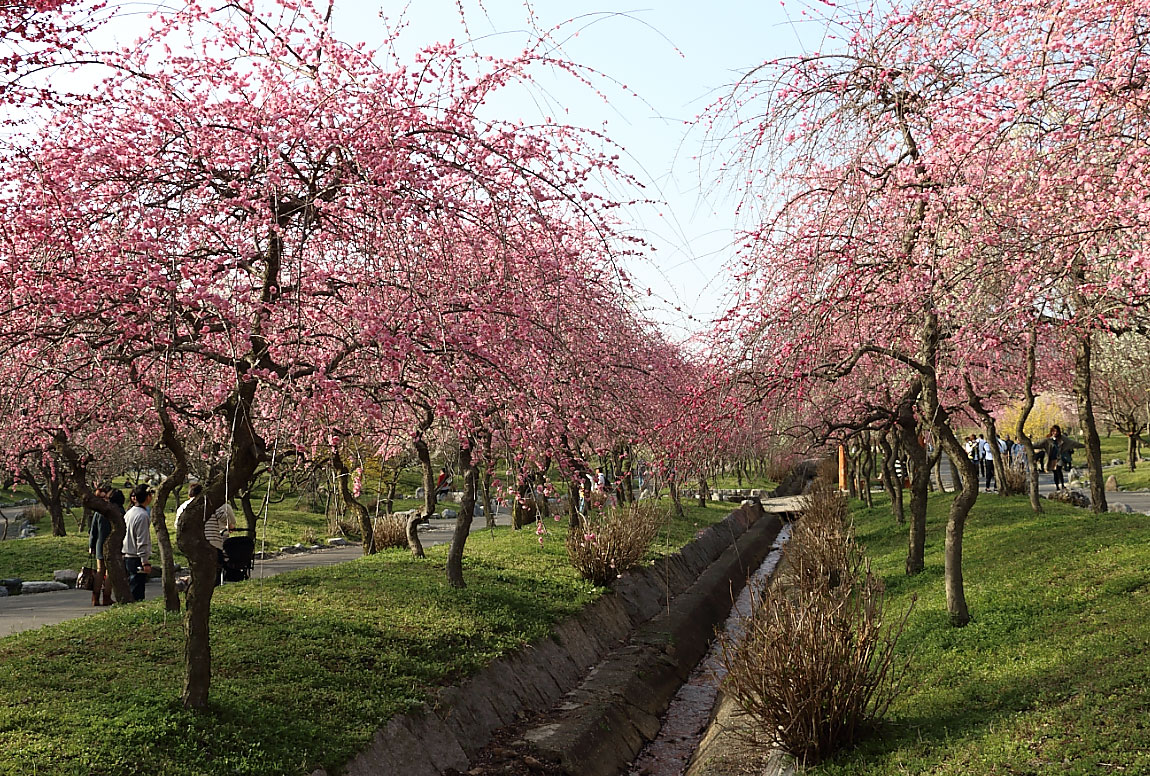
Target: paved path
1138	500
25	612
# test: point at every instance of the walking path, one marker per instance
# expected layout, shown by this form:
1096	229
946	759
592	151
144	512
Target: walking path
1137	500
25	612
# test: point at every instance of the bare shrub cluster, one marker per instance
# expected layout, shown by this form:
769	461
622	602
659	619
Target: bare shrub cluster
341	525
1013	480
389	531
779	468
35	514
815	666
610	541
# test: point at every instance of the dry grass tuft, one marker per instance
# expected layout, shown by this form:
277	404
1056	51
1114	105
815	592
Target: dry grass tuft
389	531
815	667
611	541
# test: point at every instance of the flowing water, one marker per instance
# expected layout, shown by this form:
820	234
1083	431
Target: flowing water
690	710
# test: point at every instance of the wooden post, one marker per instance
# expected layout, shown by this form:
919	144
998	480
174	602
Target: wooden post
842	468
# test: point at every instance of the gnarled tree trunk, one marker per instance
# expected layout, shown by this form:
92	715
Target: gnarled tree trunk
907	427
367	540
424	455
1020	427
464	518
1083	378
891	483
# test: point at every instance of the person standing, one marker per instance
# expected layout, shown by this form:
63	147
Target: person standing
216	529
138	541
194	490
98	533
1055	448
988	454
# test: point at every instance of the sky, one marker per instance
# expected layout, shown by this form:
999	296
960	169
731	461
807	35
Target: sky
676	57
661	65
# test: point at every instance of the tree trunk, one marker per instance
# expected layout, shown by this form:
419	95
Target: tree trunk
413	542
164	539
991	430
246	451
703	491
49	494
676	503
931	408
1131	450
1083	394
485	490
251	519
392	484
919	489
890	482
463	520
938	474
367	540
424	455
523	510
574	486
113	548
1023	416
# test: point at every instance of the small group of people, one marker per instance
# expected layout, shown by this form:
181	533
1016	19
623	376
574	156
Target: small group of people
137	545
982	452
1056	452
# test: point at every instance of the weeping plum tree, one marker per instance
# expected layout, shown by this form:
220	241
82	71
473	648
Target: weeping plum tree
265	201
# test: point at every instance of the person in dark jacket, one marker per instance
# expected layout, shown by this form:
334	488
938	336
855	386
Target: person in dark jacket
98	534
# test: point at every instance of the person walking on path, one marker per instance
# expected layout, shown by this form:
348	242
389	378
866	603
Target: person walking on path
98	533
138	541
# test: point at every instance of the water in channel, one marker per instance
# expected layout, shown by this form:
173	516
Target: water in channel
690	710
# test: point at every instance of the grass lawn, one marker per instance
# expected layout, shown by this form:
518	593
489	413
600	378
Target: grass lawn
1052	676
307	665
1114	448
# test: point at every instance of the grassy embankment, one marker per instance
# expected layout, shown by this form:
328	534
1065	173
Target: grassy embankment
1052	676
306	665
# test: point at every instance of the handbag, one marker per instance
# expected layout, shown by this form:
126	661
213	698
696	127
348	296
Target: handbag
87	577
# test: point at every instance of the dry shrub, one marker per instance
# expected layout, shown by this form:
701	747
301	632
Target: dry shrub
35	514
1014	480
779	467
815	666
611	541
389	531
828	470
341	525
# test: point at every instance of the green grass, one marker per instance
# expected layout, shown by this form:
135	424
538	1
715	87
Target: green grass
1052	676
731	482
1113	448
307	665
37	557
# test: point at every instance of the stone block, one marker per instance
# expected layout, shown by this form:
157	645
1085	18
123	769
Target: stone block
1111	485
66	576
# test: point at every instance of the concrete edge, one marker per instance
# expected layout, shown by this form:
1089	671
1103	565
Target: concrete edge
617	710
460	721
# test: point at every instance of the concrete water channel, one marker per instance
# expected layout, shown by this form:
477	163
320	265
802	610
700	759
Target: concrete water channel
689	714
586	700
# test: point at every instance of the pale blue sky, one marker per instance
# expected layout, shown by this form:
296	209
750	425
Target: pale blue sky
677	56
